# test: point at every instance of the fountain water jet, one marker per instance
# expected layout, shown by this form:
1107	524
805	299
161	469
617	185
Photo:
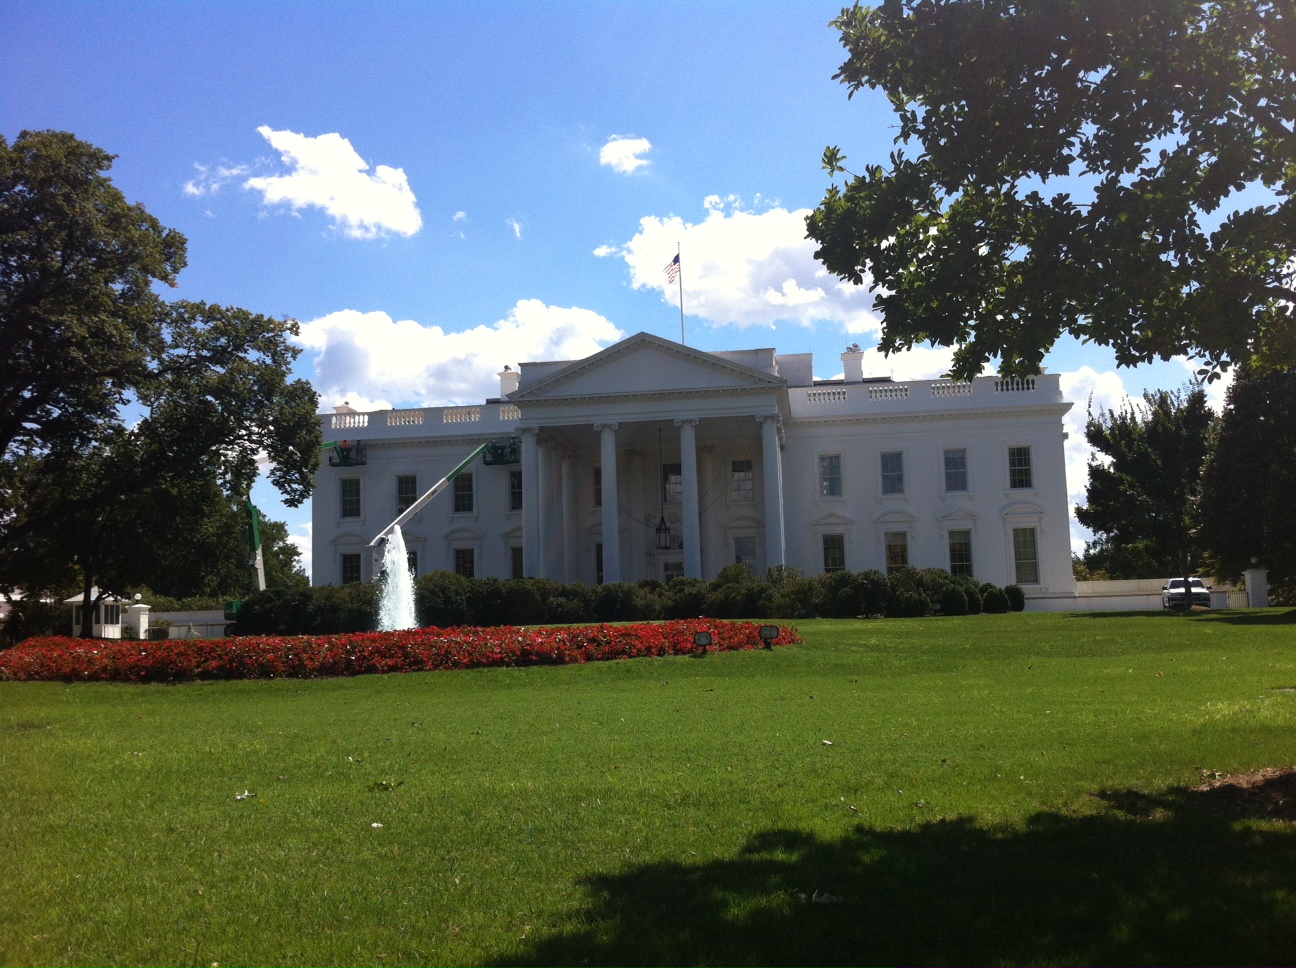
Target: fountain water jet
396	606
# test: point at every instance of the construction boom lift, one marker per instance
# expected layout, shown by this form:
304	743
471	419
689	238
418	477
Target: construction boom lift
432	492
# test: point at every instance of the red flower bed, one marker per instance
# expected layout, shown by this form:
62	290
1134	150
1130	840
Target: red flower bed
66	659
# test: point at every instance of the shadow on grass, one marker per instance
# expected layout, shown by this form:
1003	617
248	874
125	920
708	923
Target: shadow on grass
1232	616
1154	879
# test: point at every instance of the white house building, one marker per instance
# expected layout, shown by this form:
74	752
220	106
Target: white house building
651	459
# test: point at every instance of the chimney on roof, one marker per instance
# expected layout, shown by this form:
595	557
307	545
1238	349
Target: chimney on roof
853	364
508	378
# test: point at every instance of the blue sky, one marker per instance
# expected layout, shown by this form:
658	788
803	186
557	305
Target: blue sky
437	189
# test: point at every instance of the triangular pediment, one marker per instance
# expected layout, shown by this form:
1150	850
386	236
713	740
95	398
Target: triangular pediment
643	364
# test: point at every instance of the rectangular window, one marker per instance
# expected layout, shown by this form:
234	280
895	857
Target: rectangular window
515	491
598	487
672	570
350	569
742	485
672	484
830	479
1025	556
834	552
956	470
112	614
744	548
463	493
465	562
406	491
893	472
598	563
515	554
960	554
897	550
350	491
1019	467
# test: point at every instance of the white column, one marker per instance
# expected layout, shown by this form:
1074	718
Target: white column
551	552
569	517
714	557
639	510
689	495
611	522
772	467
530	501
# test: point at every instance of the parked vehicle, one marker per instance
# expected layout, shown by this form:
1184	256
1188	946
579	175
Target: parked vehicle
1172	593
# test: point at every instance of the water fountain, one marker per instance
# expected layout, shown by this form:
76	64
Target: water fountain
396	606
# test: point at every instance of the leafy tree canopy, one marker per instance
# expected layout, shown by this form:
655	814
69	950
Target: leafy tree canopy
1249	483
115	405
1145	484
1074	167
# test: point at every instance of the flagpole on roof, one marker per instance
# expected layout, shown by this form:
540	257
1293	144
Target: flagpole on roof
673	274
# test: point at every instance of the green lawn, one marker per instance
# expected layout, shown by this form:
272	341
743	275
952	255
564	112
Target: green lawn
998	790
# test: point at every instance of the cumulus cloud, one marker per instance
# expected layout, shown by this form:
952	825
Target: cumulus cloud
621	153
328	173
374	362
1087	389
744	267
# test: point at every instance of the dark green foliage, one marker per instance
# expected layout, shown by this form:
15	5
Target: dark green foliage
685	598
1249	484
31	616
1143	495
1016	597
441	599
737	593
907	596
309	611
994	601
1073	167
573	604
953	600
874	596
972	592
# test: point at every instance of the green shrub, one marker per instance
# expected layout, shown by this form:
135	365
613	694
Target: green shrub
572	604
441	599
486	605
873	599
994	601
1016	597
972	591
30	616
685	598
953	600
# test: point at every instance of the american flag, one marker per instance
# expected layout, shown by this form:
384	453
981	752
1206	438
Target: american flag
672	269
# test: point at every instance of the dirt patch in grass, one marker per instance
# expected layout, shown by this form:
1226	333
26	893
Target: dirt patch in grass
1266	794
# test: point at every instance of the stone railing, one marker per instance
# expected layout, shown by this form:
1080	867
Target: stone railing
404	418
891	391
1015	384
454	415
348	421
831	395
950	388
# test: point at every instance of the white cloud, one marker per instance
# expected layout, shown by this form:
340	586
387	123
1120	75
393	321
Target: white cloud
374	362
515	225
603	251
327	173
303	543
212	178
621	153
745	268
459	216
1087	389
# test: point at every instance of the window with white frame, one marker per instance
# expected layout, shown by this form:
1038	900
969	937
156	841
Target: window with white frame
956	475
349	491
515	558
406	491
465	562
960	553
1026	556
744	550
598	563
742	485
515	490
463	494
893	472
350	569
672	570
897	550
830	475
834	552
672	484
1019	468
598	487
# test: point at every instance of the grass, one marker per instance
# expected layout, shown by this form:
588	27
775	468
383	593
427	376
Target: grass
998	789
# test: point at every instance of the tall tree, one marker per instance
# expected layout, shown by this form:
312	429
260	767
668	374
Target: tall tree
1076	170
1145	484
108	393
1249	485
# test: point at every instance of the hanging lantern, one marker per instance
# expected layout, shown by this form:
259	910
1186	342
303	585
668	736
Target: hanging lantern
663	535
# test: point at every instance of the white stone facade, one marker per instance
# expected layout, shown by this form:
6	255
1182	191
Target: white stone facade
745	456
